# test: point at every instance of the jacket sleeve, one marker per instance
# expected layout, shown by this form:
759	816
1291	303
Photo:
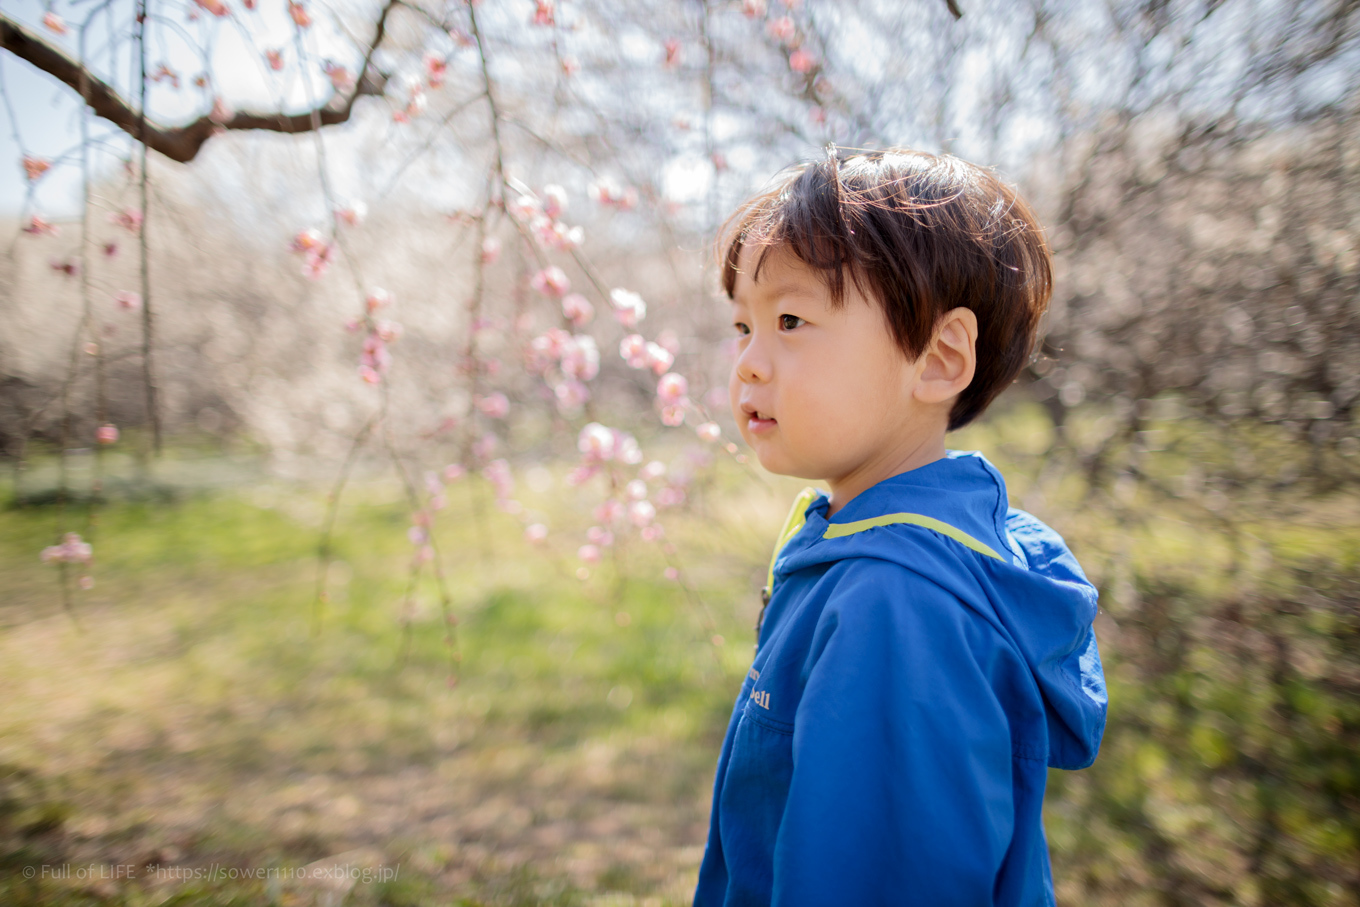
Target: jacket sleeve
901	790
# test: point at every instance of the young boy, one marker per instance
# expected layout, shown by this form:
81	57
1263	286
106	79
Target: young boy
926	652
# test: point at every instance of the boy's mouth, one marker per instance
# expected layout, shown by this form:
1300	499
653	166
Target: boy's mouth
757	421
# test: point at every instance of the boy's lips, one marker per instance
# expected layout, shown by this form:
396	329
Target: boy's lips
757	421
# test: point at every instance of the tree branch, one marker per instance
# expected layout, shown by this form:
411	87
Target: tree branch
182	143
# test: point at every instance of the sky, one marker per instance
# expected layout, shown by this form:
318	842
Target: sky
41	116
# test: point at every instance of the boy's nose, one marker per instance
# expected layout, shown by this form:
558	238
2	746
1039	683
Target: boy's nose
752	366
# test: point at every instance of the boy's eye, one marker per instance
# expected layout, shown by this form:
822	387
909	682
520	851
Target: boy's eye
789	322
742	329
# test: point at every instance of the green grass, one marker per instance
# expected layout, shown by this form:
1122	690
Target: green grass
197	709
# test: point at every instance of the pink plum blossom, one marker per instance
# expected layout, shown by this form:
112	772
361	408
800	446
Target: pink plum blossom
340	77
377	298
577	309
580	357
670	496
307	240
299	13
416	103
589	553
35	167
275	59
545	12
579	475
491	250
672	414
633	350
555	234
216	7
672	387
40	227
629	308
127	300
636	489
387	331
653	471
753	8
596	442
66	266
570	395
130	219
535	533
107	434
570	66
609	511
453	472
72	550
652	532
626	448
221	112
164	73
554	201
672	53
801	61
524	208
598	535
551	281
610	194
709	431
494	406
641	513
353	214
436	70
659	358
375	356
545	349
781	29
55	23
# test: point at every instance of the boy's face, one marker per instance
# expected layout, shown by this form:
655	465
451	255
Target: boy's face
819	392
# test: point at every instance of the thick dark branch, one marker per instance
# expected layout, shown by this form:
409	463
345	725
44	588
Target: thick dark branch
181	143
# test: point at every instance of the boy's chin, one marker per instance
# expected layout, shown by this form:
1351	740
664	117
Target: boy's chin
777	465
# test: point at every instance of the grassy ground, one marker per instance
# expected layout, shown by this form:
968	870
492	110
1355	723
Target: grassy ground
196	710
196	717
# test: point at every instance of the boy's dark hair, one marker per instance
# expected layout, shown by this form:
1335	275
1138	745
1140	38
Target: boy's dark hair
921	234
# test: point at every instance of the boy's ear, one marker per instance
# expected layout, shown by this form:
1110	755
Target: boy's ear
950	359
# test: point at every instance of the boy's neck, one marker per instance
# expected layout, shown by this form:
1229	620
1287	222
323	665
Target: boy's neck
912	455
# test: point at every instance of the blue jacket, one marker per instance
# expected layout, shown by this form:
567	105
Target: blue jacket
926	655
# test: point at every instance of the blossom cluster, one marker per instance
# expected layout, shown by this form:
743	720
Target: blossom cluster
316	250
543	219
72	550
375	360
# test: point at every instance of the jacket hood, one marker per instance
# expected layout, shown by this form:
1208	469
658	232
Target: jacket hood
950	522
